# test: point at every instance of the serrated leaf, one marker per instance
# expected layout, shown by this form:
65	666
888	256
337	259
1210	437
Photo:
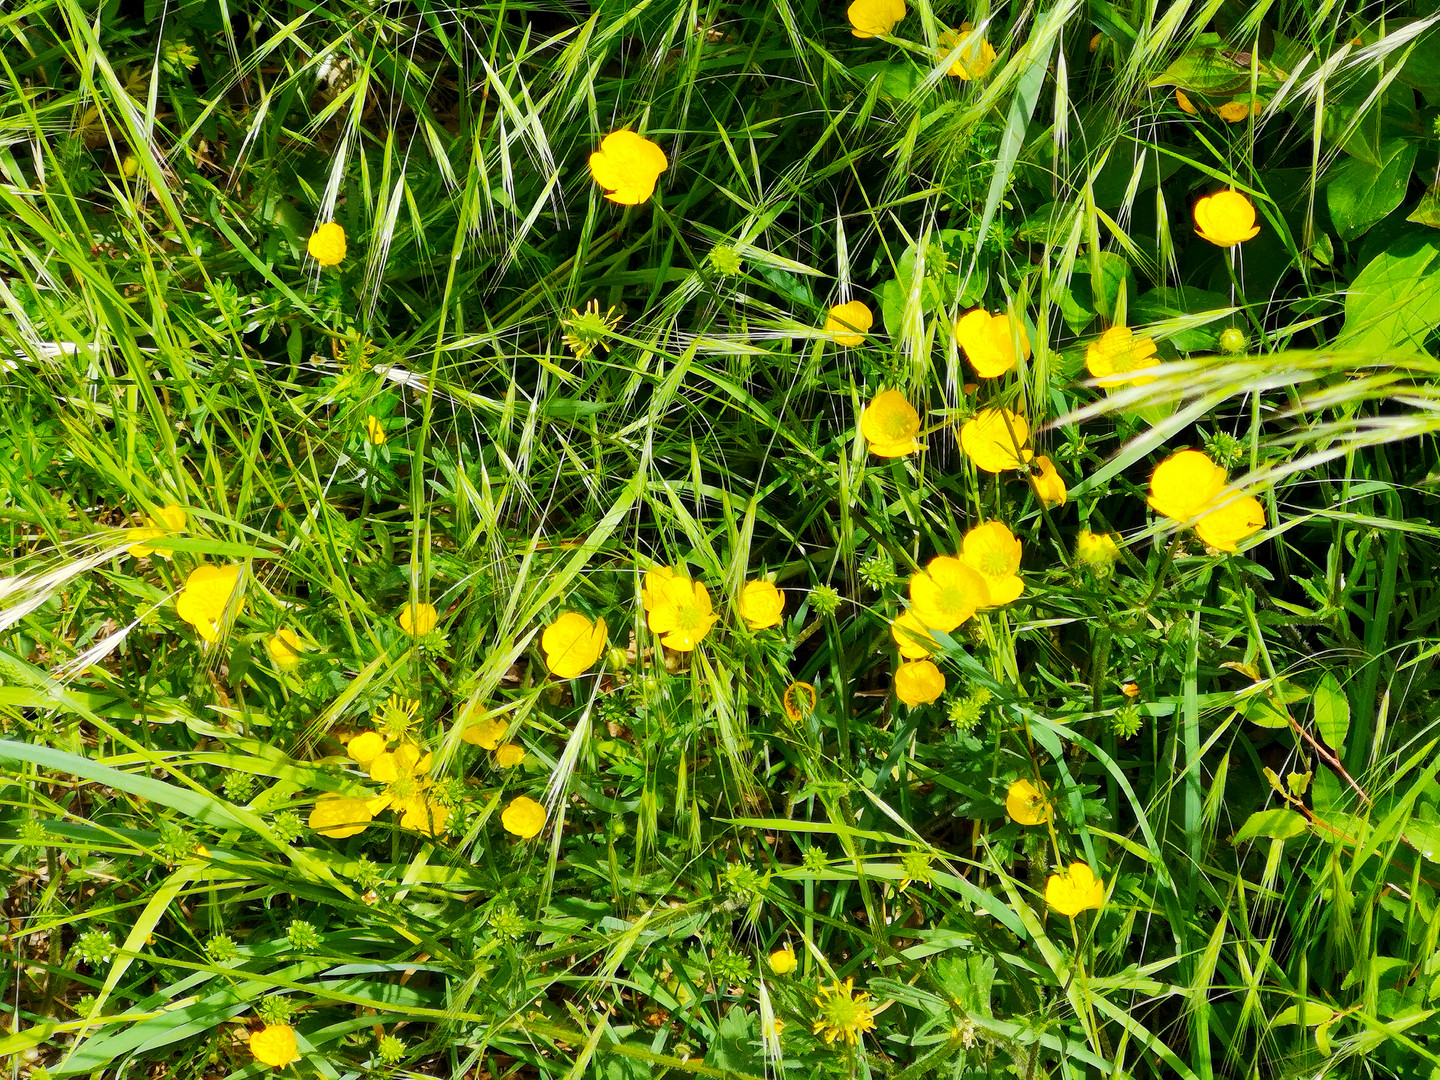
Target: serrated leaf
1207	70
1278	824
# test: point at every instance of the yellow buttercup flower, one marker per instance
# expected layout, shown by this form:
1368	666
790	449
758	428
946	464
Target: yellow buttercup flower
890	424
327	244
417	620
841	1013
524	817
1074	890
913	637
508	755
761	604
486	733
206	596
992	550
284	648
1026	804
1049	485
798	701
375	431
626	166
782	961
1225	526
677	608
1099	551
403	771
1186	487
871	18
1118	355
1225	218
572	644
918	682
274	1045
974	61
1241	109
172	519
1184	484
946	593
995	440
848	323
991	342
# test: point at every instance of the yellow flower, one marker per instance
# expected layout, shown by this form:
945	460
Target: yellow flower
1026	804
990	341
508	755
374	431
761	604
338	816
871	18
1049	485
172	519
946	593
1187	487
782	961
284	648
205	597
974	61
798	701
524	817
918	682
417	620
842	1014
485	733
572	644
403	772
677	608
1225	218
1075	890
1116	356
1186	105
890	424
1225	526
1184	484
626	166
274	1045
995	440
913	637
1099	551
327	244
848	323
1234	112
993	550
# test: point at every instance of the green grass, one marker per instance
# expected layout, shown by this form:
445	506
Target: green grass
1242	745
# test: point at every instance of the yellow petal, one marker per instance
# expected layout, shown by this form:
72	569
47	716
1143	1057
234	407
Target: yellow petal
274	1045
339	816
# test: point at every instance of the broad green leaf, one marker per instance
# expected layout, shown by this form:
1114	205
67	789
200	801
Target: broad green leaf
1395	300
1361	193
1425	836
1278	824
1315	1013
1332	711
1428	211
1210	71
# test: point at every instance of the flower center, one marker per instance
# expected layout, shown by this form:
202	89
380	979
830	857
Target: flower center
995	563
402	789
688	617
